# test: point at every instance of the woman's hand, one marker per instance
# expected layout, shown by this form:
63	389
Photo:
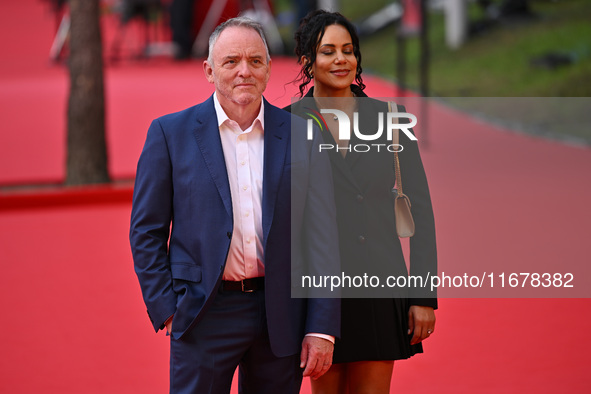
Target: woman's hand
421	322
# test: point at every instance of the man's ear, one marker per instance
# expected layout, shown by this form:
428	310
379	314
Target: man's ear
208	71
268	70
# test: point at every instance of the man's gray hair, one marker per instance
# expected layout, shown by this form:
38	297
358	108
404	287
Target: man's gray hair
239	21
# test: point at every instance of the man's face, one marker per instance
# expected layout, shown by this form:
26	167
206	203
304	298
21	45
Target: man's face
240	70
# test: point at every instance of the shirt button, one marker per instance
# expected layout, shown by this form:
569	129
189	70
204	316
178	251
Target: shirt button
361	239
359	198
246	214
244	187
249	266
242	163
247	240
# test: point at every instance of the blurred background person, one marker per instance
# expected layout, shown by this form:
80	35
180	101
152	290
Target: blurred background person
181	26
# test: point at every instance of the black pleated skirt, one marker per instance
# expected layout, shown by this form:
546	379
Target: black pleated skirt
374	329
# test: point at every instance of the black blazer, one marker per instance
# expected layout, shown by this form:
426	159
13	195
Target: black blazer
363	185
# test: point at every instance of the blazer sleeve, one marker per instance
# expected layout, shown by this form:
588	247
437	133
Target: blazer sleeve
151	217
423	248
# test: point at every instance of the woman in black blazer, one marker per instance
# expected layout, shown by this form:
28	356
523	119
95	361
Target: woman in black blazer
392	323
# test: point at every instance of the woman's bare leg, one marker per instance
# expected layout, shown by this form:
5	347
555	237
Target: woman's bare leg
369	377
332	382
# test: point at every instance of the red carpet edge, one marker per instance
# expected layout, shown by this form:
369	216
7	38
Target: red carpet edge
59	196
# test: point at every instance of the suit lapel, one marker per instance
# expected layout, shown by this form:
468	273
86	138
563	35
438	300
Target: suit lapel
210	145
276	137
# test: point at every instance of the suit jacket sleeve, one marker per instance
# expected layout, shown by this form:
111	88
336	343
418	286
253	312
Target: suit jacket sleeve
150	226
322	243
315	241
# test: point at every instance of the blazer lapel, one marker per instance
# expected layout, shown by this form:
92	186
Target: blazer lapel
368	123
338	162
276	137
208	140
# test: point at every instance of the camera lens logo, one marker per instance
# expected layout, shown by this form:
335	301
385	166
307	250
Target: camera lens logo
318	118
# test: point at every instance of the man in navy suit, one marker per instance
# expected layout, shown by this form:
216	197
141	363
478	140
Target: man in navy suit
224	200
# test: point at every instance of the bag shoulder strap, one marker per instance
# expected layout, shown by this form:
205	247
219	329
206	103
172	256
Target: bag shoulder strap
395	134
395	141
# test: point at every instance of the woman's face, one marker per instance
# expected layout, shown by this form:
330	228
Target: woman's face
335	66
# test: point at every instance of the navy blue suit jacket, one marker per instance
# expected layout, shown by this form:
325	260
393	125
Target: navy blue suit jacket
181	223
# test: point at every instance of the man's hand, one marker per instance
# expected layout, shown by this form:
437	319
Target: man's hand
168	324
421	322
316	356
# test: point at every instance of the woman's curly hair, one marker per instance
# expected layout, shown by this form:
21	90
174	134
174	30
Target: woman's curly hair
308	37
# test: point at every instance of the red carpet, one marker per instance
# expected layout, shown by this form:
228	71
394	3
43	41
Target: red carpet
72	317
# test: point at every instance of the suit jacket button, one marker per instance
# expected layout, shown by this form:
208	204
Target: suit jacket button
229	234
361	239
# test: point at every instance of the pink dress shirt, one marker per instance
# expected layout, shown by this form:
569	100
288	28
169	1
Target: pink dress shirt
244	151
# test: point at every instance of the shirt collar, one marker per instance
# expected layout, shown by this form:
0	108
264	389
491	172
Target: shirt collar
222	117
